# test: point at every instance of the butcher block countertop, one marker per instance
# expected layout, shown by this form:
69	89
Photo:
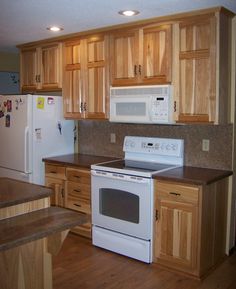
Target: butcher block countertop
78	160
193	175
13	192
36	225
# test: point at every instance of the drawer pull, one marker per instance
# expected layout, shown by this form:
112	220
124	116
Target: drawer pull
77	205
175	194
77	191
78	177
53	172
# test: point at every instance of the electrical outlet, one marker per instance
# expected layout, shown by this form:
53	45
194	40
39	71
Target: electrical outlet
205	145
113	138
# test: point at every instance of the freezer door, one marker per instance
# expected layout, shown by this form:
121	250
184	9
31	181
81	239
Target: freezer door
15	132
52	134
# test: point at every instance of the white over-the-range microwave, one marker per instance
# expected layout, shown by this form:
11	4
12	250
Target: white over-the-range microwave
142	104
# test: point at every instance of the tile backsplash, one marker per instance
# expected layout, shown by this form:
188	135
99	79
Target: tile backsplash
94	139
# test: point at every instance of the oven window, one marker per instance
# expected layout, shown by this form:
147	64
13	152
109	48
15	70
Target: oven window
119	204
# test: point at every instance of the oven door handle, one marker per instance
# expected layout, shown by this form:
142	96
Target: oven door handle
120	177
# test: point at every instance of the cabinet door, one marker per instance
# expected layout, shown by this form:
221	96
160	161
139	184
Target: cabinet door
50	66
124	54
155	65
197	56
176	236
58	187
72	84
97	85
28	60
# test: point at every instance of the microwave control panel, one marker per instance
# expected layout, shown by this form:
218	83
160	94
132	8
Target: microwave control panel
160	108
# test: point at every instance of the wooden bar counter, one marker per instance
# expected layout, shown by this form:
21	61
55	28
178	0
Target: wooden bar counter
30	233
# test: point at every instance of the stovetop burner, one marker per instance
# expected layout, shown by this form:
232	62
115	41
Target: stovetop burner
136	165
146	156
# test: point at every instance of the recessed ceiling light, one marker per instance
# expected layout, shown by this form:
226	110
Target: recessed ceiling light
129	12
54	28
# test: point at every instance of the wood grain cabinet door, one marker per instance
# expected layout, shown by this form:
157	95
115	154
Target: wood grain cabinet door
176	236
197	70
72	83
28	70
124	55
50	66
97	76
155	65
58	187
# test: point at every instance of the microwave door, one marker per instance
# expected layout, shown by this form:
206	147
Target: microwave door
129	110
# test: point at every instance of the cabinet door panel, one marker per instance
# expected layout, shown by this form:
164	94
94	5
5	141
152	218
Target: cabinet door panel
96	92
58	187
72	94
51	67
197	56
176	235
28	63
197	92
157	54
124	52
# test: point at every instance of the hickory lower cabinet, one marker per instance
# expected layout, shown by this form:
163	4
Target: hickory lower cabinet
78	196
72	190
55	177
190	226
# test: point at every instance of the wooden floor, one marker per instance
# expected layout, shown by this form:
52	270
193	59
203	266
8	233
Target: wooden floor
81	265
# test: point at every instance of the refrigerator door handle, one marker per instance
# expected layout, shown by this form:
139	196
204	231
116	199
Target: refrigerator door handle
26	160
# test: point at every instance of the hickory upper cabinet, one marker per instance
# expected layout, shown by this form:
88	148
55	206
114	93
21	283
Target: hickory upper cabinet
141	56
202	75
86	78
41	67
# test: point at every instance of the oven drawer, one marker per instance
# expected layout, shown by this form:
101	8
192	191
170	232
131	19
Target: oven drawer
78	175
177	192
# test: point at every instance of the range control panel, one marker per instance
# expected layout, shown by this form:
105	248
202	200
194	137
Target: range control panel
158	146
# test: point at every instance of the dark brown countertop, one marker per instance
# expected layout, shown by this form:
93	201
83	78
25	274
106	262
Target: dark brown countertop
36	225
193	175
78	160
13	192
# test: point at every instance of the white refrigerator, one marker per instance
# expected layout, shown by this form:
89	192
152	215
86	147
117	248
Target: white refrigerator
32	127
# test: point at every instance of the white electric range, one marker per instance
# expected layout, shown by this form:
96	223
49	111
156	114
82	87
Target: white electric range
122	195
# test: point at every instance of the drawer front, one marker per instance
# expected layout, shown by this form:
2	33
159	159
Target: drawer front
177	192
78	190
55	171
79	205
78	175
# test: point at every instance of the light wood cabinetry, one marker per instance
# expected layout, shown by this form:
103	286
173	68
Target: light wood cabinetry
55	177
141	56
72	190
78	197
190	226
203	78
41	68
86	75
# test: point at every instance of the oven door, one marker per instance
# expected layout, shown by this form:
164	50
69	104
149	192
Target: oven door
122	203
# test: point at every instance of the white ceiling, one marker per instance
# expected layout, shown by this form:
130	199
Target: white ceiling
23	21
